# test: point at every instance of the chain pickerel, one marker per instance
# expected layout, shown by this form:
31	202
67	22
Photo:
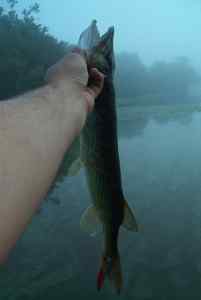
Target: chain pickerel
100	156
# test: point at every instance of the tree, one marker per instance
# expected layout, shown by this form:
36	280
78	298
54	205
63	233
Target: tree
173	79
131	75
26	50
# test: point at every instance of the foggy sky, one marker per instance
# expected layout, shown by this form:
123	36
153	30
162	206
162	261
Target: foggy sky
156	29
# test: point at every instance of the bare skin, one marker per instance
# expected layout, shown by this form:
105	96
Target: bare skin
36	129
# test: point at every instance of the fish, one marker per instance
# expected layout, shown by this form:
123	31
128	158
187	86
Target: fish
100	156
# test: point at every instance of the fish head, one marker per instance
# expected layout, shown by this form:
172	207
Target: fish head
99	49
102	55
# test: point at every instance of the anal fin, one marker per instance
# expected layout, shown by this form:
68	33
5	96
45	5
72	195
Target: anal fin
129	221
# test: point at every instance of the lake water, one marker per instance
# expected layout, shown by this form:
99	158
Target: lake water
160	153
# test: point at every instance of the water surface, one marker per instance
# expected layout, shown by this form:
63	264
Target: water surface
160	153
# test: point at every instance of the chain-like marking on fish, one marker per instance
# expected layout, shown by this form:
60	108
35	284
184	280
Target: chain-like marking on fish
99	152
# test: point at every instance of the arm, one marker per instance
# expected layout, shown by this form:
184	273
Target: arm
36	129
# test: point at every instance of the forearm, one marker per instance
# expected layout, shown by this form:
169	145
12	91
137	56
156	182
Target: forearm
35	131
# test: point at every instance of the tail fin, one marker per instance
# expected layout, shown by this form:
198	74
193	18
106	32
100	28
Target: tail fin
111	267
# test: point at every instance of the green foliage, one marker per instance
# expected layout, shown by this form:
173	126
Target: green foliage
173	78
131	75
26	50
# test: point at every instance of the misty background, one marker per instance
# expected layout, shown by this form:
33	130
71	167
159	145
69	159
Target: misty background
157	46
156	30
151	36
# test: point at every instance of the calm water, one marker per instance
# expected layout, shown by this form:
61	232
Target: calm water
160	152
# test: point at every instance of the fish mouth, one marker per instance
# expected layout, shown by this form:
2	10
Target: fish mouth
90	38
98	49
106	41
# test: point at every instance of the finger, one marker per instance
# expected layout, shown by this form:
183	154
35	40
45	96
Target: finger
96	81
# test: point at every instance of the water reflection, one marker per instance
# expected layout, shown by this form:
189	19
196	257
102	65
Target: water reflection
164	182
133	120
161	170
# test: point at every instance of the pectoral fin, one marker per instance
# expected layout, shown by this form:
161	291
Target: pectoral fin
129	221
75	167
90	221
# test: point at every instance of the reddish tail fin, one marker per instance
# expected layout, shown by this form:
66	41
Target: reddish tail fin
111	267
100	279
102	273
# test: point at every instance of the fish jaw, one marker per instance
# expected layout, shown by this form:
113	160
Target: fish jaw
90	37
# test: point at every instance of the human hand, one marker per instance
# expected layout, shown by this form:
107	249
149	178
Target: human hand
72	68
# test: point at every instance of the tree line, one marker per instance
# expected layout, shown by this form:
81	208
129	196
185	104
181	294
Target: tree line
161	83
26	50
